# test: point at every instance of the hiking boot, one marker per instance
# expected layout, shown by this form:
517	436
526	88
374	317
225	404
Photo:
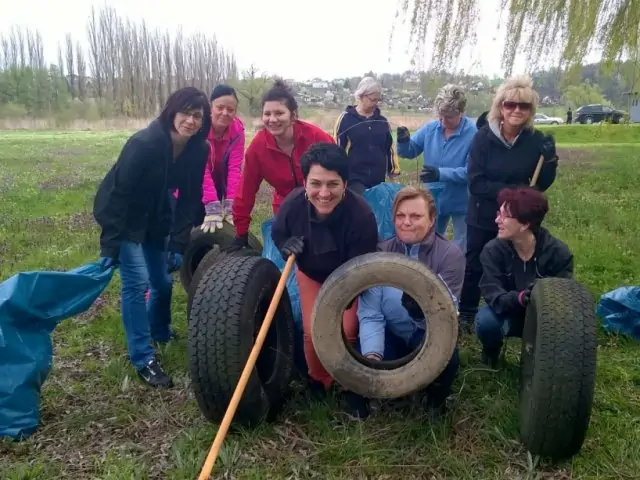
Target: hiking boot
153	374
356	406
317	390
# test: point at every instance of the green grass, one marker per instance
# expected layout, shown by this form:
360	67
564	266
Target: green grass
100	422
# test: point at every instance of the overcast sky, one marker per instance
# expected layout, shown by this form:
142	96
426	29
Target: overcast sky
296	39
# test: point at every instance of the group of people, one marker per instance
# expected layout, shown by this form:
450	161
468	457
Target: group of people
188	168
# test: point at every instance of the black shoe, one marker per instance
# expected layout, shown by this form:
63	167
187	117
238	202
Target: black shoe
490	358
356	405
154	375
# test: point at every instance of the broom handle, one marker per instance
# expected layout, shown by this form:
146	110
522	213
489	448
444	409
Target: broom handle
205	473
536	173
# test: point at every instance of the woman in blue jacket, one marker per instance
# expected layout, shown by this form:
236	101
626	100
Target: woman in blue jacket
445	143
366	137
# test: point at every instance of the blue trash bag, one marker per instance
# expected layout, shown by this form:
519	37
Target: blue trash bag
620	311
32	304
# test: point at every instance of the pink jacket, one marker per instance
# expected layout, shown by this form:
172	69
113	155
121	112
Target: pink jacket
222	171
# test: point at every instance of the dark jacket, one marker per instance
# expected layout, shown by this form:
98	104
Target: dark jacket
349	231
505	274
132	204
369	145
493	165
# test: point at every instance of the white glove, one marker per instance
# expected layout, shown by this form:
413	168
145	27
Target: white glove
214	214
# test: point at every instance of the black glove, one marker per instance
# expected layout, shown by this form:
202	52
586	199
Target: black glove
430	174
411	306
292	246
238	243
402	134
549	148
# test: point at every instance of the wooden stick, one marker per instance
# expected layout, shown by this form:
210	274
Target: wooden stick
205	473
536	173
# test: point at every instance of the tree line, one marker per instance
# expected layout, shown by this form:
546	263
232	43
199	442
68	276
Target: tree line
125	69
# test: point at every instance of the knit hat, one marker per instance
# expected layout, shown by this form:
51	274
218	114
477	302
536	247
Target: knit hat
222	91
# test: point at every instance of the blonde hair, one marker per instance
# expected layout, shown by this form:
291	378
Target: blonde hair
450	98
411	192
517	89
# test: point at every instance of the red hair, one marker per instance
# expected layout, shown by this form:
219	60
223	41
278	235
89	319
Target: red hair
525	204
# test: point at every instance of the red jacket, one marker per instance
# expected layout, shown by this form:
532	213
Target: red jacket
263	160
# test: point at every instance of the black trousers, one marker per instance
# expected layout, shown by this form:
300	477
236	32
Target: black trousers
477	238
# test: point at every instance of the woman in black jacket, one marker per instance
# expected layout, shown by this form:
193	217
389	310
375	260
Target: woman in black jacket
504	153
324	225
522	253
139	232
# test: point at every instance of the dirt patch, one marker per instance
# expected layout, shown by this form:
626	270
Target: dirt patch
60	182
81	221
68	152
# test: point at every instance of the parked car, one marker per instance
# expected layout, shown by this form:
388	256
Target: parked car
542	119
598	113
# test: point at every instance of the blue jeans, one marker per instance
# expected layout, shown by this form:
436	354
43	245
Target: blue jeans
143	266
459	228
491	329
396	348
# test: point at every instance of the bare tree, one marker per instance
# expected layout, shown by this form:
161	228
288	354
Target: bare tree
71	70
81	68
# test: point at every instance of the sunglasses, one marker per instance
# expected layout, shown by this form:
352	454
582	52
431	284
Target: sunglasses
524	106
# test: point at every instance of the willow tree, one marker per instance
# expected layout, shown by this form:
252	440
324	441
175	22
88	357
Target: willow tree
540	30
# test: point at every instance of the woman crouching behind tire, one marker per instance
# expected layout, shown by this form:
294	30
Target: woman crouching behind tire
324	225
391	323
511	263
139	233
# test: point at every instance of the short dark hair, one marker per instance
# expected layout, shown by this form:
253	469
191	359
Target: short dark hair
329	156
281	92
525	204
184	100
223	90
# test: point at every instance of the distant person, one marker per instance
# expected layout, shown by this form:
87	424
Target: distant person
133	210
365	134
222	171
273	155
392	324
569	116
445	144
482	120
325	224
522	253
504	154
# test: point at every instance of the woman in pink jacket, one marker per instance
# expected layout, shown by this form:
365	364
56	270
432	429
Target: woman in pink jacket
222	171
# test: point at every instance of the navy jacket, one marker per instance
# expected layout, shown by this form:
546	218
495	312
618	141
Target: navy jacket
349	231
369	145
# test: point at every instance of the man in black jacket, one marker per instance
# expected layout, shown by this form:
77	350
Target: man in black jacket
522	252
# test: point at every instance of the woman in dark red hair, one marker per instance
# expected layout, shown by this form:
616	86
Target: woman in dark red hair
522	252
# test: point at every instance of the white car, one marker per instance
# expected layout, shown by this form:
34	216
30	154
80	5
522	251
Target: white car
543	119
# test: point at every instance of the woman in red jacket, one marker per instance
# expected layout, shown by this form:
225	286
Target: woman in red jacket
273	155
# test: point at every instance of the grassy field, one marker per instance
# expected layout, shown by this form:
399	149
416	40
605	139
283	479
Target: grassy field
99	422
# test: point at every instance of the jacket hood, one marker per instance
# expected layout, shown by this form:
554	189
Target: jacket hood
351	110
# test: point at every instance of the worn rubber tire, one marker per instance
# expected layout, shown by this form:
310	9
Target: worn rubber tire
229	304
200	243
558	368
211	257
414	278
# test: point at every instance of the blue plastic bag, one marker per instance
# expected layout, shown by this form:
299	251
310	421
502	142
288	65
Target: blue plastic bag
620	311
32	304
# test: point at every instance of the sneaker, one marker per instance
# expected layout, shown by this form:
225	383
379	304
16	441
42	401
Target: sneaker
356	406
154	375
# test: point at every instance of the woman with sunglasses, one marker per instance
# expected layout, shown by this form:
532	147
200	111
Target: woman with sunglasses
504	153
